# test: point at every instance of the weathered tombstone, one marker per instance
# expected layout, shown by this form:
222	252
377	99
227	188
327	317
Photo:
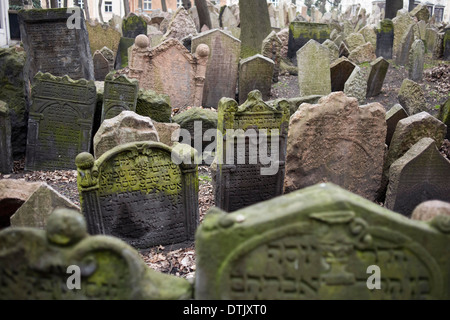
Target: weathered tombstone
421	174
227	19
313	69
416	60
428	210
343	50
392	7
139	193
222	67
6	159
385	39
169	133
446	44
271	48
60	121
171	69
294	103
320	243
402	24
35	211
363	53
102	35
133	25
180	26
431	36
124	128
244	174
329	142
120	94
444	116
393	116
101	66
255	73
53	47
39	265
354	40
154	105
420	12
405	46
356	85
340	71
253	31
411	97
301	33
333	48
109	56
378	70
370	35
122	53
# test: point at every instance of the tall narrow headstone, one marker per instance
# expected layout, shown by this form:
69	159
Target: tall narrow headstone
143	192
251	144
6	159
222	68
393	116
378	71
416	60
340	71
402	23
446	45
301	33
60	121
402	54
101	66
314	77
271	48
411	97
122	53
120	94
255	73
385	39
356	85
392	7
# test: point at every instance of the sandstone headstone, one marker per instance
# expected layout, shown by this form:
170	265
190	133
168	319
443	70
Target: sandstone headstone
283	35
60	121
101	66
333	48
385	39
343	50
318	243
356	85
133	25
227	19
6	159
37	266
255	26
363	53
255	73
180	26
370	35
141	195
169	133
421	13
243	173
416	60
301	33
120	94
271	48
354	40
393	116
392	7
329	142
421	174
402	23
154	105
294	103
428	210
313	59
411	97
37	208
340	71
377	74
222	68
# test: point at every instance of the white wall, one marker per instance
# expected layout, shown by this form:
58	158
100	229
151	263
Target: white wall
4	24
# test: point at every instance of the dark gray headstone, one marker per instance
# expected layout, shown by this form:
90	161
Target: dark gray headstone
340	71
378	70
133	26
120	94
385	39
393	116
392	6
122	53
255	73
447	44
101	66
301	32
6	160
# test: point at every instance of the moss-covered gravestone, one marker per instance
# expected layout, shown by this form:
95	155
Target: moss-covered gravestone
6	160
122	53
416	60
412	97
446	46
255	73
302	32
154	105
120	94
143	192
60	121
45	265
444	116
321	242
385	39
133	26
251	150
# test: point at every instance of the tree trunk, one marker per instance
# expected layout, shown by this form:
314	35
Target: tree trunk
100	15
186	4
203	14
164	5
54	3
126	7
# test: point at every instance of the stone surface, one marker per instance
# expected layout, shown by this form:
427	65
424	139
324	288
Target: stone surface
101	66
428	210
120	94
122	53
101	36
444	116
421	174
170	69
313	59
402	53
253	31
301	33
329	142
60	121
446	44
431	35
169	133
180	26
385	39
392	7
243	173
333	48
411	97
363	53
370	35
34	265
393	116
222	68
36	210
283	35
354	40
124	128
401	25
294	103
109	56
356	85
133	25
377	74
6	159
421	13
317	243
340	71
416	60
271	48
255	73
154	105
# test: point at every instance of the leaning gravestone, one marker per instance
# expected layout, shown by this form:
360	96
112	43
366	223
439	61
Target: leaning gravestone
385	39
122	53
255	73
60	121
6	159
393	116
356	85
300	33
271	48
402	23
340	71
101	66
120	94
378	71
421	174
416	60
35	264
405	46
53	46
354	40
314	77
154	105
145	193
411	97
222	68
444	116
329	142
320	243
244	174
133	26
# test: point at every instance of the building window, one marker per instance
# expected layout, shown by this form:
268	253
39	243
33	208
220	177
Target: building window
147	4
274	2
108	6
439	13
79	3
60	4
179	3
